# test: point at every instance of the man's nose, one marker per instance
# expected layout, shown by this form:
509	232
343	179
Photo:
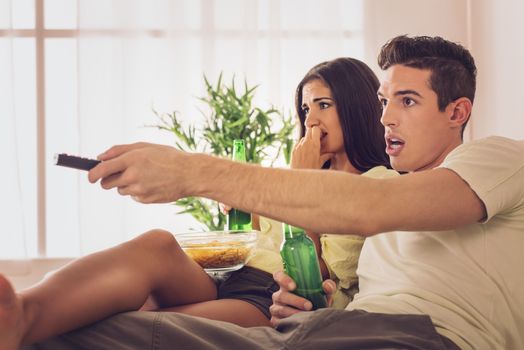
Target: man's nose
389	117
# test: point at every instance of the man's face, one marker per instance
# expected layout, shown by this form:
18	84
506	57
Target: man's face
418	135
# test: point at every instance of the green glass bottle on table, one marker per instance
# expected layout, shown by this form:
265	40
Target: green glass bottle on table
300	261
238	219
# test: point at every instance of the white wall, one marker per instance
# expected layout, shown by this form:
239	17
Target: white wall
25	273
498	47
491	29
385	19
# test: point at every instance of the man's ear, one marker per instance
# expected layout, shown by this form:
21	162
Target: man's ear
460	111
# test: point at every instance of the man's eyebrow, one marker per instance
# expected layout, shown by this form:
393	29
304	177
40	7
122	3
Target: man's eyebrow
408	92
402	93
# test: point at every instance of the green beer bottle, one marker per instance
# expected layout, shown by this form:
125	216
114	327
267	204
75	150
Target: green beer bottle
238	219
300	261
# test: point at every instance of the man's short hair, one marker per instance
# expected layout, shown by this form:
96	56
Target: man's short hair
453	71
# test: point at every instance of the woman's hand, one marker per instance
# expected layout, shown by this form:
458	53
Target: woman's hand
286	303
224	208
306	153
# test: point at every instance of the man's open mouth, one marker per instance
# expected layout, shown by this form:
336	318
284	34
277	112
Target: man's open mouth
394	146
394	142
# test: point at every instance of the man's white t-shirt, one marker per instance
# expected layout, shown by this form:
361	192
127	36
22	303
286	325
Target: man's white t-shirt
470	280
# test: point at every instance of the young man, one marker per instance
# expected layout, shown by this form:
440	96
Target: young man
451	282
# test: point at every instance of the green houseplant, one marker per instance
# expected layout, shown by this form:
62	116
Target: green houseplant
232	115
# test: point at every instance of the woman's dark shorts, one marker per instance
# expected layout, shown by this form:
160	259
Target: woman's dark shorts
251	285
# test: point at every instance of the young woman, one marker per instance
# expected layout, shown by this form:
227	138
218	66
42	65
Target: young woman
337	108
339	114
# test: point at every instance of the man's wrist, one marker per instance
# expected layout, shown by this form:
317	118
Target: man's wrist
207	175
194	180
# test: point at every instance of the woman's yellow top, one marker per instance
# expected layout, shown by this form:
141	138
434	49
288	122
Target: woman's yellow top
339	252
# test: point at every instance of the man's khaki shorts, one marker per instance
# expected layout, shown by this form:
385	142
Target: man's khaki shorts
323	329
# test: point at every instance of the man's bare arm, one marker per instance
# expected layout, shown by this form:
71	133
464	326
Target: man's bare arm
336	202
317	200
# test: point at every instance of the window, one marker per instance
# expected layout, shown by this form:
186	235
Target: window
80	76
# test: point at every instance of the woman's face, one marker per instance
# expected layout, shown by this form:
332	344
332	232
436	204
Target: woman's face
320	110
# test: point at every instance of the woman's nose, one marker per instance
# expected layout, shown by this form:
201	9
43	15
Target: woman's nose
311	120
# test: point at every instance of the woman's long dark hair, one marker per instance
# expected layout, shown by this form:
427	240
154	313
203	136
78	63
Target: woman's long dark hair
354	88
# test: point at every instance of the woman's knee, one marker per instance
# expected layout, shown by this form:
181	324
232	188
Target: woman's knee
158	241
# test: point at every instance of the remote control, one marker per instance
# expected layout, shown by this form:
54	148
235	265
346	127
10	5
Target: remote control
75	162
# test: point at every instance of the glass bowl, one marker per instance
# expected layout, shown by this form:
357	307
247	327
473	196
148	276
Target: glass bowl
219	251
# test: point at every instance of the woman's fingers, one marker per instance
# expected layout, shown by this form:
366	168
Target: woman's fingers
315	133
279	312
284	281
306	153
330	287
284	299
224	208
325	157
285	303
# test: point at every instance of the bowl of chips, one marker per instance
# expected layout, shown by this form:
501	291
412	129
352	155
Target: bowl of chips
219	251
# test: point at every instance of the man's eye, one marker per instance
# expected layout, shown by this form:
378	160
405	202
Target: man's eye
408	101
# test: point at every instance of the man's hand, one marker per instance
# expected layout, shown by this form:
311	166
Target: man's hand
306	153
286	303
148	173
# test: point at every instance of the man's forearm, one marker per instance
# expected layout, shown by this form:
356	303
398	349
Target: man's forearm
339	202
293	196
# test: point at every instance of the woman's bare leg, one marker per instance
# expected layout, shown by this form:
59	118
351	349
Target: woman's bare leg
11	317
102	284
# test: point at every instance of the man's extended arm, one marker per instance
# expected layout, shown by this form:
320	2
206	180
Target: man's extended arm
317	200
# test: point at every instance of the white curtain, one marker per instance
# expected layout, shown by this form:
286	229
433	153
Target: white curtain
12	234
108	63
159	62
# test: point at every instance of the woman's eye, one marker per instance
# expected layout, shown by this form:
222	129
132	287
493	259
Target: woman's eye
305	110
324	105
383	102
408	101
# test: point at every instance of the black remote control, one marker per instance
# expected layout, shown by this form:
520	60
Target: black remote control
75	162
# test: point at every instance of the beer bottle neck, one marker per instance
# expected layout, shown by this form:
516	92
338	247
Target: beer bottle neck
292	231
239	151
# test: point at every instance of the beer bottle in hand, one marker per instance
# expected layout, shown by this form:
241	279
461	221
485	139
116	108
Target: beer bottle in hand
300	261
